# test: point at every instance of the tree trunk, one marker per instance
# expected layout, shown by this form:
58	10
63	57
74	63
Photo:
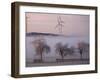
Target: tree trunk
62	58
81	56
81	52
41	57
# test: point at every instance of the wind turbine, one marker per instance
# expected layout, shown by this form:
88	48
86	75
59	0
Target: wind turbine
60	24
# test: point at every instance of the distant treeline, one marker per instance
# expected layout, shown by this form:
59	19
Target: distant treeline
35	33
51	34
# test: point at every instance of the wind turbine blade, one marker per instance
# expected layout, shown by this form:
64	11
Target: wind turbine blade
57	25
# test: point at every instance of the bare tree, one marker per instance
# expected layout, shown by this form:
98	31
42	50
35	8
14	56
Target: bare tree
83	47
41	47
59	50
63	50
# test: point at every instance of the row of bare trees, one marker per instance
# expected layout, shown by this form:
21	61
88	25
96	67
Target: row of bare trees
42	47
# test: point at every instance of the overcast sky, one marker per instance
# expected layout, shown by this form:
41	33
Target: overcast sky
46	23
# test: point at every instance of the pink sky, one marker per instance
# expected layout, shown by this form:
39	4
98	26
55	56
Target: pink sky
46	23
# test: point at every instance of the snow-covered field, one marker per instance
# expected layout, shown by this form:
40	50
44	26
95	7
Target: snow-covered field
52	56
